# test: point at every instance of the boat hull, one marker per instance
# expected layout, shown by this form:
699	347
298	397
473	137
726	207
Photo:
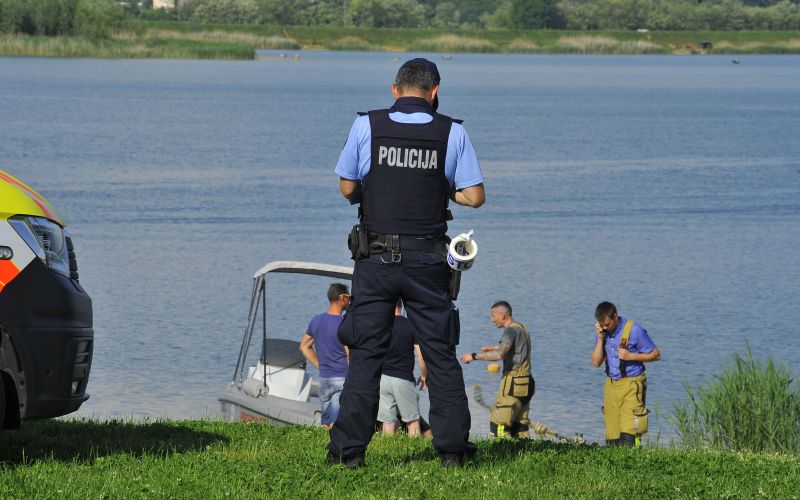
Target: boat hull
241	407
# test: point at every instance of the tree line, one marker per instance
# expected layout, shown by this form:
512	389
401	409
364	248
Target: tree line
669	15
92	18
96	17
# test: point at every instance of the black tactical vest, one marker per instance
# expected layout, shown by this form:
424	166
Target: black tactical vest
406	191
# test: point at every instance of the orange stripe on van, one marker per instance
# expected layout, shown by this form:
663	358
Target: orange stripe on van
8	271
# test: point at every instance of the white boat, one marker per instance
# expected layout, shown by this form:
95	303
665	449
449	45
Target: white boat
277	389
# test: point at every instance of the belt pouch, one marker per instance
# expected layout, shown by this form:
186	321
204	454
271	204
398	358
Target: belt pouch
357	242
455	328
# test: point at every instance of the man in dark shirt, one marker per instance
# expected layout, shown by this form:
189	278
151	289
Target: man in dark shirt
399	394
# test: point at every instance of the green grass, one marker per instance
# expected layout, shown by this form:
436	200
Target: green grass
87	459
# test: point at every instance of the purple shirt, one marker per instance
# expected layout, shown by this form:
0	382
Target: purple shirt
638	342
330	352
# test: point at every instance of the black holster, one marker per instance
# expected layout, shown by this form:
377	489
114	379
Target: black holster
358	243
455	283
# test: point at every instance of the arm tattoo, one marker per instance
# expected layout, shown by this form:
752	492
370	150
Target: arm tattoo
497	354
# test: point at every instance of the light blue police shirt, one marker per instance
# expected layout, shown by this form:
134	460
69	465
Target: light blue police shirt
462	169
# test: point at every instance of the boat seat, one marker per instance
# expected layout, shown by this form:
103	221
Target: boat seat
254	387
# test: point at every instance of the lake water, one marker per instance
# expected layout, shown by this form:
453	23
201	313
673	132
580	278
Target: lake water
669	185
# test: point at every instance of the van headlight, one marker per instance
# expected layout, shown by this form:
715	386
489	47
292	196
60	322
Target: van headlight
46	239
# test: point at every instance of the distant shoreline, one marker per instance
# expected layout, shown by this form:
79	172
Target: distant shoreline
173	40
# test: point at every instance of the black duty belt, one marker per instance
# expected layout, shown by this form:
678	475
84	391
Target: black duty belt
395	243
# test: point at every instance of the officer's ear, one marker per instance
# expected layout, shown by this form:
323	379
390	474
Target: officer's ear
395	92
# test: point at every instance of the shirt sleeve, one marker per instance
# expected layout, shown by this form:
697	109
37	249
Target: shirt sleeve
352	161
644	344
467	168
310	329
508	336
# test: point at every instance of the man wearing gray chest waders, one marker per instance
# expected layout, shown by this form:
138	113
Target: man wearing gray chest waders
510	411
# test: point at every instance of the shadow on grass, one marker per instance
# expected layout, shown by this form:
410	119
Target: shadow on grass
509	449
413	456
489	451
86	440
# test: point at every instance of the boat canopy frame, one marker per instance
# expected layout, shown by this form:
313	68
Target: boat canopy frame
258	300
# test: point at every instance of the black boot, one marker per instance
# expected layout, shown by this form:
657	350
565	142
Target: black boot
626	439
458	460
354	462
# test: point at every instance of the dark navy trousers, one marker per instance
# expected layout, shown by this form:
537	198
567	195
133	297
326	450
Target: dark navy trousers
422	280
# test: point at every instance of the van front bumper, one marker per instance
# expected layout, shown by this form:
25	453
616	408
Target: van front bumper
52	382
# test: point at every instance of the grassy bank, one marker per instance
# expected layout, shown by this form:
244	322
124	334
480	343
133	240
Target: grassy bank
208	41
214	459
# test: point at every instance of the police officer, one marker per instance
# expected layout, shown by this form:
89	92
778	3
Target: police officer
402	164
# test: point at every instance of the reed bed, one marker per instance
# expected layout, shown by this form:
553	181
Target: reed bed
604	45
523	45
217	36
791	46
195	41
21	45
353	43
753	405
453	43
132	48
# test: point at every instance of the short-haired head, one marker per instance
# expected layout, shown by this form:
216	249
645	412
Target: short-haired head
502	306
420	74
605	310
337	290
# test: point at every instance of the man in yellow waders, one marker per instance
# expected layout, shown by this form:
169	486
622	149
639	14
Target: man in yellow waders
624	346
510	411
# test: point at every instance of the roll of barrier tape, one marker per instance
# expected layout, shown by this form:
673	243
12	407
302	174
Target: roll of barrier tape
462	251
